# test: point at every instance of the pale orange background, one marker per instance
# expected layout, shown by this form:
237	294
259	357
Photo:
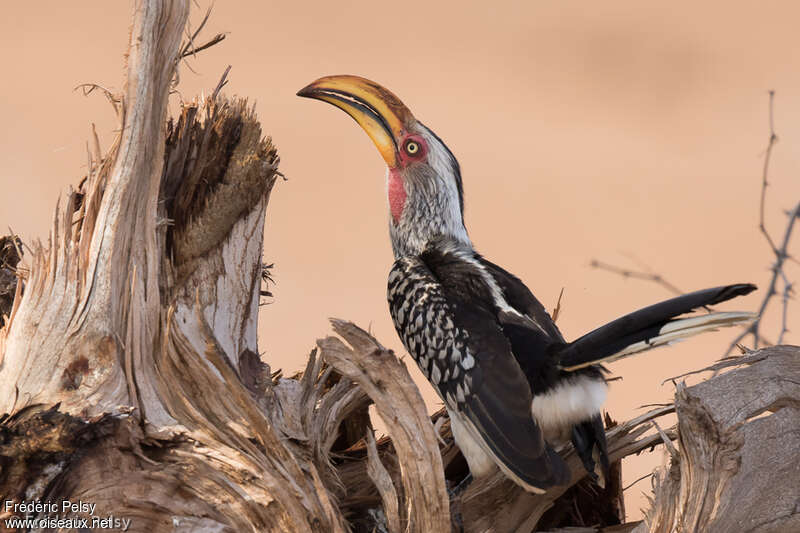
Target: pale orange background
610	130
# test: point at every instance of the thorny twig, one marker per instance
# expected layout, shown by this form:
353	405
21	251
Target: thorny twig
223	81
773	138
781	253
726	362
89	88
649	275
632	483
189	49
788	290
781	256
636	274
214	40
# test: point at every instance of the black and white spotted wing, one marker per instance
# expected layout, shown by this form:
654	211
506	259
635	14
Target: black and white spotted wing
445	315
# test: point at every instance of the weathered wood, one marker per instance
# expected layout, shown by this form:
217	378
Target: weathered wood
383	482
398	401
130	374
10	288
92	301
141	311
738	461
494	504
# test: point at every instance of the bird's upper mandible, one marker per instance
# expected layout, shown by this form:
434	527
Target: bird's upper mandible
387	121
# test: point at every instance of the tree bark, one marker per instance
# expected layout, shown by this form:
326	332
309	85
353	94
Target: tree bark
736	467
130	377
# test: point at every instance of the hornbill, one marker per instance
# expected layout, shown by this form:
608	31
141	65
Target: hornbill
512	386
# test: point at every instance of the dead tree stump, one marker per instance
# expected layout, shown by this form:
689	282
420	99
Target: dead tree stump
130	378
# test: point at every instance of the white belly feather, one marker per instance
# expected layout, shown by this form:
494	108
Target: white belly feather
479	460
574	400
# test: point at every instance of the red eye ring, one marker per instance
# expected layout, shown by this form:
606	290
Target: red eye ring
414	147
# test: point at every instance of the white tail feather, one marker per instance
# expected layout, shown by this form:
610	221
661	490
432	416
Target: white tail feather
678	330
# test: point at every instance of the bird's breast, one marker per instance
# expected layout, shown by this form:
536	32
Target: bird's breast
424	322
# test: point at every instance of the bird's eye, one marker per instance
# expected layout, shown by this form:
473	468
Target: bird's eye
412	148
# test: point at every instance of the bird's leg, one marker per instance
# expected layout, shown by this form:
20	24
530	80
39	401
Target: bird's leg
461	487
456	518
589	440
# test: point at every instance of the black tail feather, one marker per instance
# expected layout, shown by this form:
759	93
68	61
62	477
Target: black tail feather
642	325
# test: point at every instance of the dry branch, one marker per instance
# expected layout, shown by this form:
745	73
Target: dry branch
781	253
424	504
636	274
130	375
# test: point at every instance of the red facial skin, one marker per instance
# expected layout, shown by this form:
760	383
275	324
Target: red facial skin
397	189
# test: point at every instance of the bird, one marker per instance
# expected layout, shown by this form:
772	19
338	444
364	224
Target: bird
514	389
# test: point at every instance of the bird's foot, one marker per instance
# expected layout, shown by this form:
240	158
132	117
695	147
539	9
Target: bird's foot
461	487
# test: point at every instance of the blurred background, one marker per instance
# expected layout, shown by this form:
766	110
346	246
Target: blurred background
617	131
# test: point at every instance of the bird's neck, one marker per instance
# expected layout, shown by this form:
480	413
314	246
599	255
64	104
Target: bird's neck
419	216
